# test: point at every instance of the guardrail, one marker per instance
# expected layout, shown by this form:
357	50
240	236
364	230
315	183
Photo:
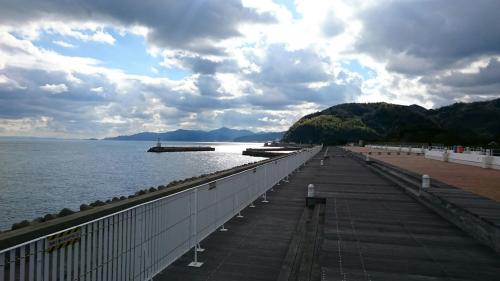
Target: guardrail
408	149
139	242
480	158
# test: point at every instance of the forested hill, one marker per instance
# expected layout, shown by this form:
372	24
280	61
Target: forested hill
475	123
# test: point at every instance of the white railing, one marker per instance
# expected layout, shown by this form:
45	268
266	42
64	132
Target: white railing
398	148
480	158
472	159
139	242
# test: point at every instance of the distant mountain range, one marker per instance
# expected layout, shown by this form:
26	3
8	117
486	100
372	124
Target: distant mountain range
476	123
222	134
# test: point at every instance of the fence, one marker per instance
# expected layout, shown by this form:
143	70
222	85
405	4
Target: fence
485	158
139	242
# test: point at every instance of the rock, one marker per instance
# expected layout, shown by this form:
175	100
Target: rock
65	212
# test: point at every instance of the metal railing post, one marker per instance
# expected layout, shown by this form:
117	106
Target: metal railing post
264	197
195	263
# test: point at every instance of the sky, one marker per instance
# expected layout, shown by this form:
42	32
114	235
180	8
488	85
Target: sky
92	68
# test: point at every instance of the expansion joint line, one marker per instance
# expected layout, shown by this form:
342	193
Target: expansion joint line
339	241
427	252
240	244
361	258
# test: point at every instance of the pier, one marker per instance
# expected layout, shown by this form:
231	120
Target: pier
269	152
368	228
367	221
159	149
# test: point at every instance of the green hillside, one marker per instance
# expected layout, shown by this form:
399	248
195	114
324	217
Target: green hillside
465	123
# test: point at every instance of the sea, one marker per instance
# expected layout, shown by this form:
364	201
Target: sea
40	176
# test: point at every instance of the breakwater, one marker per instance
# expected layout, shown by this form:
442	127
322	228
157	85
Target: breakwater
159	149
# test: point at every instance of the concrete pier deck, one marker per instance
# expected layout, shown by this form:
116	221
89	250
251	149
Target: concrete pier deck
368	229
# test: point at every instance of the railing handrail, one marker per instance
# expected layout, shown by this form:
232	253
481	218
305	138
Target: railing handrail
136	240
158	195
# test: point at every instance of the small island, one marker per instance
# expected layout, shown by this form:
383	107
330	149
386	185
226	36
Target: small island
158	148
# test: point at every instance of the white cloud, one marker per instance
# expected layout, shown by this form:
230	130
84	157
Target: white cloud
101	36
97	89
54	88
63	44
250	73
24	126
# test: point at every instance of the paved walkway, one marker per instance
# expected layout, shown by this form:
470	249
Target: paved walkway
485	182
370	230
374	231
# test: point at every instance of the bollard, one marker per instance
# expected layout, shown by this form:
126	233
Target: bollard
367	159
426	182
310	190
321	162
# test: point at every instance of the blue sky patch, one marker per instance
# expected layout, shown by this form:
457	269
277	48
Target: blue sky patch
290	5
355	66
129	53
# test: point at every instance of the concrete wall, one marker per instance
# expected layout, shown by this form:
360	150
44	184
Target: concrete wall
473	159
397	148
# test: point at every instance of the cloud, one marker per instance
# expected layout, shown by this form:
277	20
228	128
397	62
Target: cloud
194	25
63	44
332	26
485	76
54	89
24	126
430	35
282	66
243	64
97	89
208	86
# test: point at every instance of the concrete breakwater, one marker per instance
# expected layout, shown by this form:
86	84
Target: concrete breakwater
159	149
270	152
275	149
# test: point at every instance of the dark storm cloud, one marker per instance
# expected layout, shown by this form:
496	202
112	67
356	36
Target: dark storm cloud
192	25
421	35
476	85
488	75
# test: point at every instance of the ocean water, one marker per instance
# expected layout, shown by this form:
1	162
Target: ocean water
43	176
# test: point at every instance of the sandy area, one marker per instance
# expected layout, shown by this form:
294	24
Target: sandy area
485	182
